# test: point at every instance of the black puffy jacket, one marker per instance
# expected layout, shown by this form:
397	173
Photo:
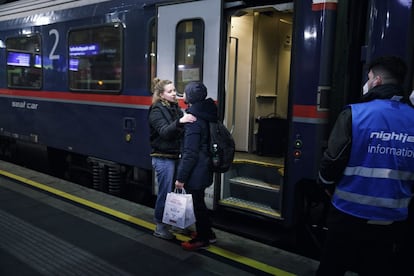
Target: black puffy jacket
194	169
165	129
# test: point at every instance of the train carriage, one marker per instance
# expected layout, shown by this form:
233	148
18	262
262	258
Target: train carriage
76	80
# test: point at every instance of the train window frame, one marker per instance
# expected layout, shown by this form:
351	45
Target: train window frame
152	52
194	53
26	48
92	48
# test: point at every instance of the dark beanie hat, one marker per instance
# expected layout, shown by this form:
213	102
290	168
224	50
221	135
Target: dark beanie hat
195	92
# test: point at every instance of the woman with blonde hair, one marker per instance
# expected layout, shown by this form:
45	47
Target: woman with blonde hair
166	121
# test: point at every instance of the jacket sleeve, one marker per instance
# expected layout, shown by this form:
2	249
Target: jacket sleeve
336	156
190	151
165	128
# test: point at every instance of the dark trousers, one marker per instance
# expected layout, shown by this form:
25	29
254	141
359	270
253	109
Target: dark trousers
404	264
203	223
354	245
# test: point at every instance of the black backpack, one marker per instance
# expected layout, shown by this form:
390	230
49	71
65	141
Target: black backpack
222	147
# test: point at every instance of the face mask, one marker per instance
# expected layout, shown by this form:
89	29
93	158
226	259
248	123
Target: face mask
412	97
365	88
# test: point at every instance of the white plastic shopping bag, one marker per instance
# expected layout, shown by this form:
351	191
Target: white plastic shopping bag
179	210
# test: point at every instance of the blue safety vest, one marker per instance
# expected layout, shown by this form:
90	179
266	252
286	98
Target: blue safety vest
377	182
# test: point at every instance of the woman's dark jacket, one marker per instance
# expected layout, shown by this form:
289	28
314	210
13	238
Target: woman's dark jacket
165	129
194	168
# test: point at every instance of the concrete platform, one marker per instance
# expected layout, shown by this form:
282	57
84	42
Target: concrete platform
71	220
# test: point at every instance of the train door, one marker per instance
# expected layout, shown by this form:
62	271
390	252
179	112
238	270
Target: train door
259	43
188	39
188	36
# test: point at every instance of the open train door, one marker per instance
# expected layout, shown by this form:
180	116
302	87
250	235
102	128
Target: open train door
188	40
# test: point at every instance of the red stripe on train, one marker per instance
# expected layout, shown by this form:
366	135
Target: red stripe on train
308	111
324	6
121	99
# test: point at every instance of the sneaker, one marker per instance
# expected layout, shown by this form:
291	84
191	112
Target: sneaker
161	231
195	244
211	239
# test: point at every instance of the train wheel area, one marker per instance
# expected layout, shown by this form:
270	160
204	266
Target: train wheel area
59	224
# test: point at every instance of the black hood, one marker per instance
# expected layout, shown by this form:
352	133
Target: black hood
205	109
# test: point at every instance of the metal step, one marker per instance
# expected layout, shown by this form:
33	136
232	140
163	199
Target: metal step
255	183
254	207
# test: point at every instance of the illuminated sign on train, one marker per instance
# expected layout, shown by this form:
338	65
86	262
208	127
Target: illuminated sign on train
18	59
73	64
84	50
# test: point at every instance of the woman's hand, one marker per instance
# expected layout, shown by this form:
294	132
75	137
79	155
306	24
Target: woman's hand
187	118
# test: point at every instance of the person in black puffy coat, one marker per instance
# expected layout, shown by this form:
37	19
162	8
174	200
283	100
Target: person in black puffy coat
194	172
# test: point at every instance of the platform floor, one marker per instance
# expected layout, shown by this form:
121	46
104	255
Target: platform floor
49	226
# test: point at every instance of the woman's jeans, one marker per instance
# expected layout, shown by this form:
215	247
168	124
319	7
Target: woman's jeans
165	173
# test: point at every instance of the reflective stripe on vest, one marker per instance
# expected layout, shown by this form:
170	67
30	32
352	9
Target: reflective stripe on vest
373	201
379	173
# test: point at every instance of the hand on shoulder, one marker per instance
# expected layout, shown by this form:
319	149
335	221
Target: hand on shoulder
187	118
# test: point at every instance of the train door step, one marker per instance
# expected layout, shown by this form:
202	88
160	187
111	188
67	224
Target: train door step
254	183
255	190
250	206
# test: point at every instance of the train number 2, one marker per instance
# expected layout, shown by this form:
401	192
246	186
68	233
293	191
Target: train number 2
52	55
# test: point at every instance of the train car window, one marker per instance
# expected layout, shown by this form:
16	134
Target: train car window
24	62
189	52
95	59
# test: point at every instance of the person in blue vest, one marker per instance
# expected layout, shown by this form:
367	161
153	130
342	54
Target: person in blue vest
368	171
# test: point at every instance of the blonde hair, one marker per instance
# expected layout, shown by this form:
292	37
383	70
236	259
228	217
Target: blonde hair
158	87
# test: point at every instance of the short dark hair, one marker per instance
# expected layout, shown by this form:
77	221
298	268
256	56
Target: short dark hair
393	66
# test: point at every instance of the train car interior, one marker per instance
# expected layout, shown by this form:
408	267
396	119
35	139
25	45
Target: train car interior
258	68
